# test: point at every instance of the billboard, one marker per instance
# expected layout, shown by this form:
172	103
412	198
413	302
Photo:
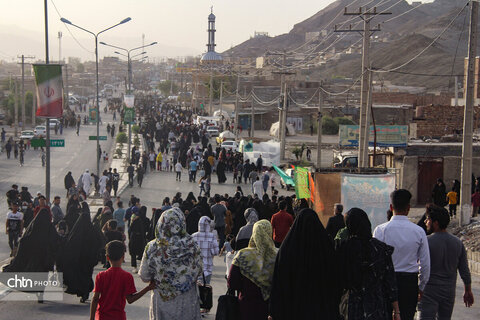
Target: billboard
368	192
387	136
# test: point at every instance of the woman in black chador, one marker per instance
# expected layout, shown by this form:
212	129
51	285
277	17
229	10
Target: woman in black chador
80	256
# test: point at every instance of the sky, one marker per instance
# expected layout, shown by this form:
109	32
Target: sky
179	26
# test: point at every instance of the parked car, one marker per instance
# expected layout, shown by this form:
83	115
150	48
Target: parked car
53	123
212	131
230	145
40	131
27	134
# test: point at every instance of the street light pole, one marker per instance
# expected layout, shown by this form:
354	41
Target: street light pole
129	75
95	35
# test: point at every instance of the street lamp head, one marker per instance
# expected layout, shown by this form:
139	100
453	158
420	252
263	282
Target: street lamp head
143	52
101	42
116	52
65	21
125	20
153	43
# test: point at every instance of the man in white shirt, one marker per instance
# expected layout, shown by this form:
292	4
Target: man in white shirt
411	257
258	188
178	170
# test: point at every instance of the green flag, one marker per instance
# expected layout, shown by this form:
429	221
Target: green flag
301	183
286	178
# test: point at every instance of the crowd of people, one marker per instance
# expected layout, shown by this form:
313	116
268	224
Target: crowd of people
280	260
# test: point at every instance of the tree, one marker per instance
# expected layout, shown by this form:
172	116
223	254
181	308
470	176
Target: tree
80	68
329	126
165	87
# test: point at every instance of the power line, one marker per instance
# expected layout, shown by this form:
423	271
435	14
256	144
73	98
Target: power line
427	47
69	31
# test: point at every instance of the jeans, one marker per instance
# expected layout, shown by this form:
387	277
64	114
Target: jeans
193	175
13	239
221	236
130	180
179	176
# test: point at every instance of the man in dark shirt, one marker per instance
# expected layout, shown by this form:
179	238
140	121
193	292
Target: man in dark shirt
336	222
447	255
115	180
131	172
219	212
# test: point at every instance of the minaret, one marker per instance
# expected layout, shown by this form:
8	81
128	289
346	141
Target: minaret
211	31
211	57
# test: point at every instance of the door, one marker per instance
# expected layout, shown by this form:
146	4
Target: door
429	170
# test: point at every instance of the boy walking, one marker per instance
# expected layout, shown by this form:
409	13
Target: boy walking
114	286
452	202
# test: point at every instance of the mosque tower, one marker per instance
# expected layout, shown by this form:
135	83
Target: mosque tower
211	57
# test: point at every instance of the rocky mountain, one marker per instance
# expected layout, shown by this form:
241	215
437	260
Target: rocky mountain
404	33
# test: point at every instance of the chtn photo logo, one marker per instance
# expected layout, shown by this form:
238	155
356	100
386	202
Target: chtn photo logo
21	283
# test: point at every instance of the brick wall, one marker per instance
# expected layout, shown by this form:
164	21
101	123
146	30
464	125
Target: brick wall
438	121
412	99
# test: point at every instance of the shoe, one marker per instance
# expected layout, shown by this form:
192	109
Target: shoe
134	270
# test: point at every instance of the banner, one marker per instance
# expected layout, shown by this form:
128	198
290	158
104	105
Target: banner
327	193
370	193
301	183
92	112
387	136
49	87
129	100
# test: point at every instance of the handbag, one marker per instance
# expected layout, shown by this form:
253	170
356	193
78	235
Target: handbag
227	308
205	293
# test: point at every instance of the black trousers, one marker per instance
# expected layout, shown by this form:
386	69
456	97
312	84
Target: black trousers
407	284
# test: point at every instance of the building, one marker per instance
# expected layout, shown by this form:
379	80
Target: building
211	57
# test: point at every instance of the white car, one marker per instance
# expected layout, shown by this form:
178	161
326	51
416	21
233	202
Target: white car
230	145
27	134
212	131
53	123
40	131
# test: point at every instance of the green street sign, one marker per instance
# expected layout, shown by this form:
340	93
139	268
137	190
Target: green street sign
129	116
37	143
99	138
57	142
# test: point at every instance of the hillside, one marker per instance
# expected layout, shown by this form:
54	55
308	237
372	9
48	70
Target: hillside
409	31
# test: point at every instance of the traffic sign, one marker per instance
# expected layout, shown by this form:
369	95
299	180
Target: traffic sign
37	143
99	138
57	142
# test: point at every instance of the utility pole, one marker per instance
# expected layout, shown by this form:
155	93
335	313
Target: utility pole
16	107
221	98
59	47
364	128
252	120
456	91
465	197
236	108
283	123
67	105
34	109
319	131
210	107
23	57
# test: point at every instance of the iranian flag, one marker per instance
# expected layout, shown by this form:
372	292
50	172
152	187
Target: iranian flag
48	78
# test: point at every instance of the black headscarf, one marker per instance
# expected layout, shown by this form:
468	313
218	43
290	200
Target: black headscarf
305	272
37	248
356	253
80	254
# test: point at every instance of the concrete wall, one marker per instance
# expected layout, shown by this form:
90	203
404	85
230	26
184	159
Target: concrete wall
409	174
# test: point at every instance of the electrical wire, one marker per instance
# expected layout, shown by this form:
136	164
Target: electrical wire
69	31
423	3
456	50
426	48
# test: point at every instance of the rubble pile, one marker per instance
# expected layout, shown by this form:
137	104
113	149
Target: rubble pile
470	235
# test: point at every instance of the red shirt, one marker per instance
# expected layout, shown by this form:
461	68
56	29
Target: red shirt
476	199
114	285
281	223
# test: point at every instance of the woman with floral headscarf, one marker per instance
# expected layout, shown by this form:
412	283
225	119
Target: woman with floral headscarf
252	272
245	232
174	262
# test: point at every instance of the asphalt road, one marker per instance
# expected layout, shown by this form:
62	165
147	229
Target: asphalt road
78	154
